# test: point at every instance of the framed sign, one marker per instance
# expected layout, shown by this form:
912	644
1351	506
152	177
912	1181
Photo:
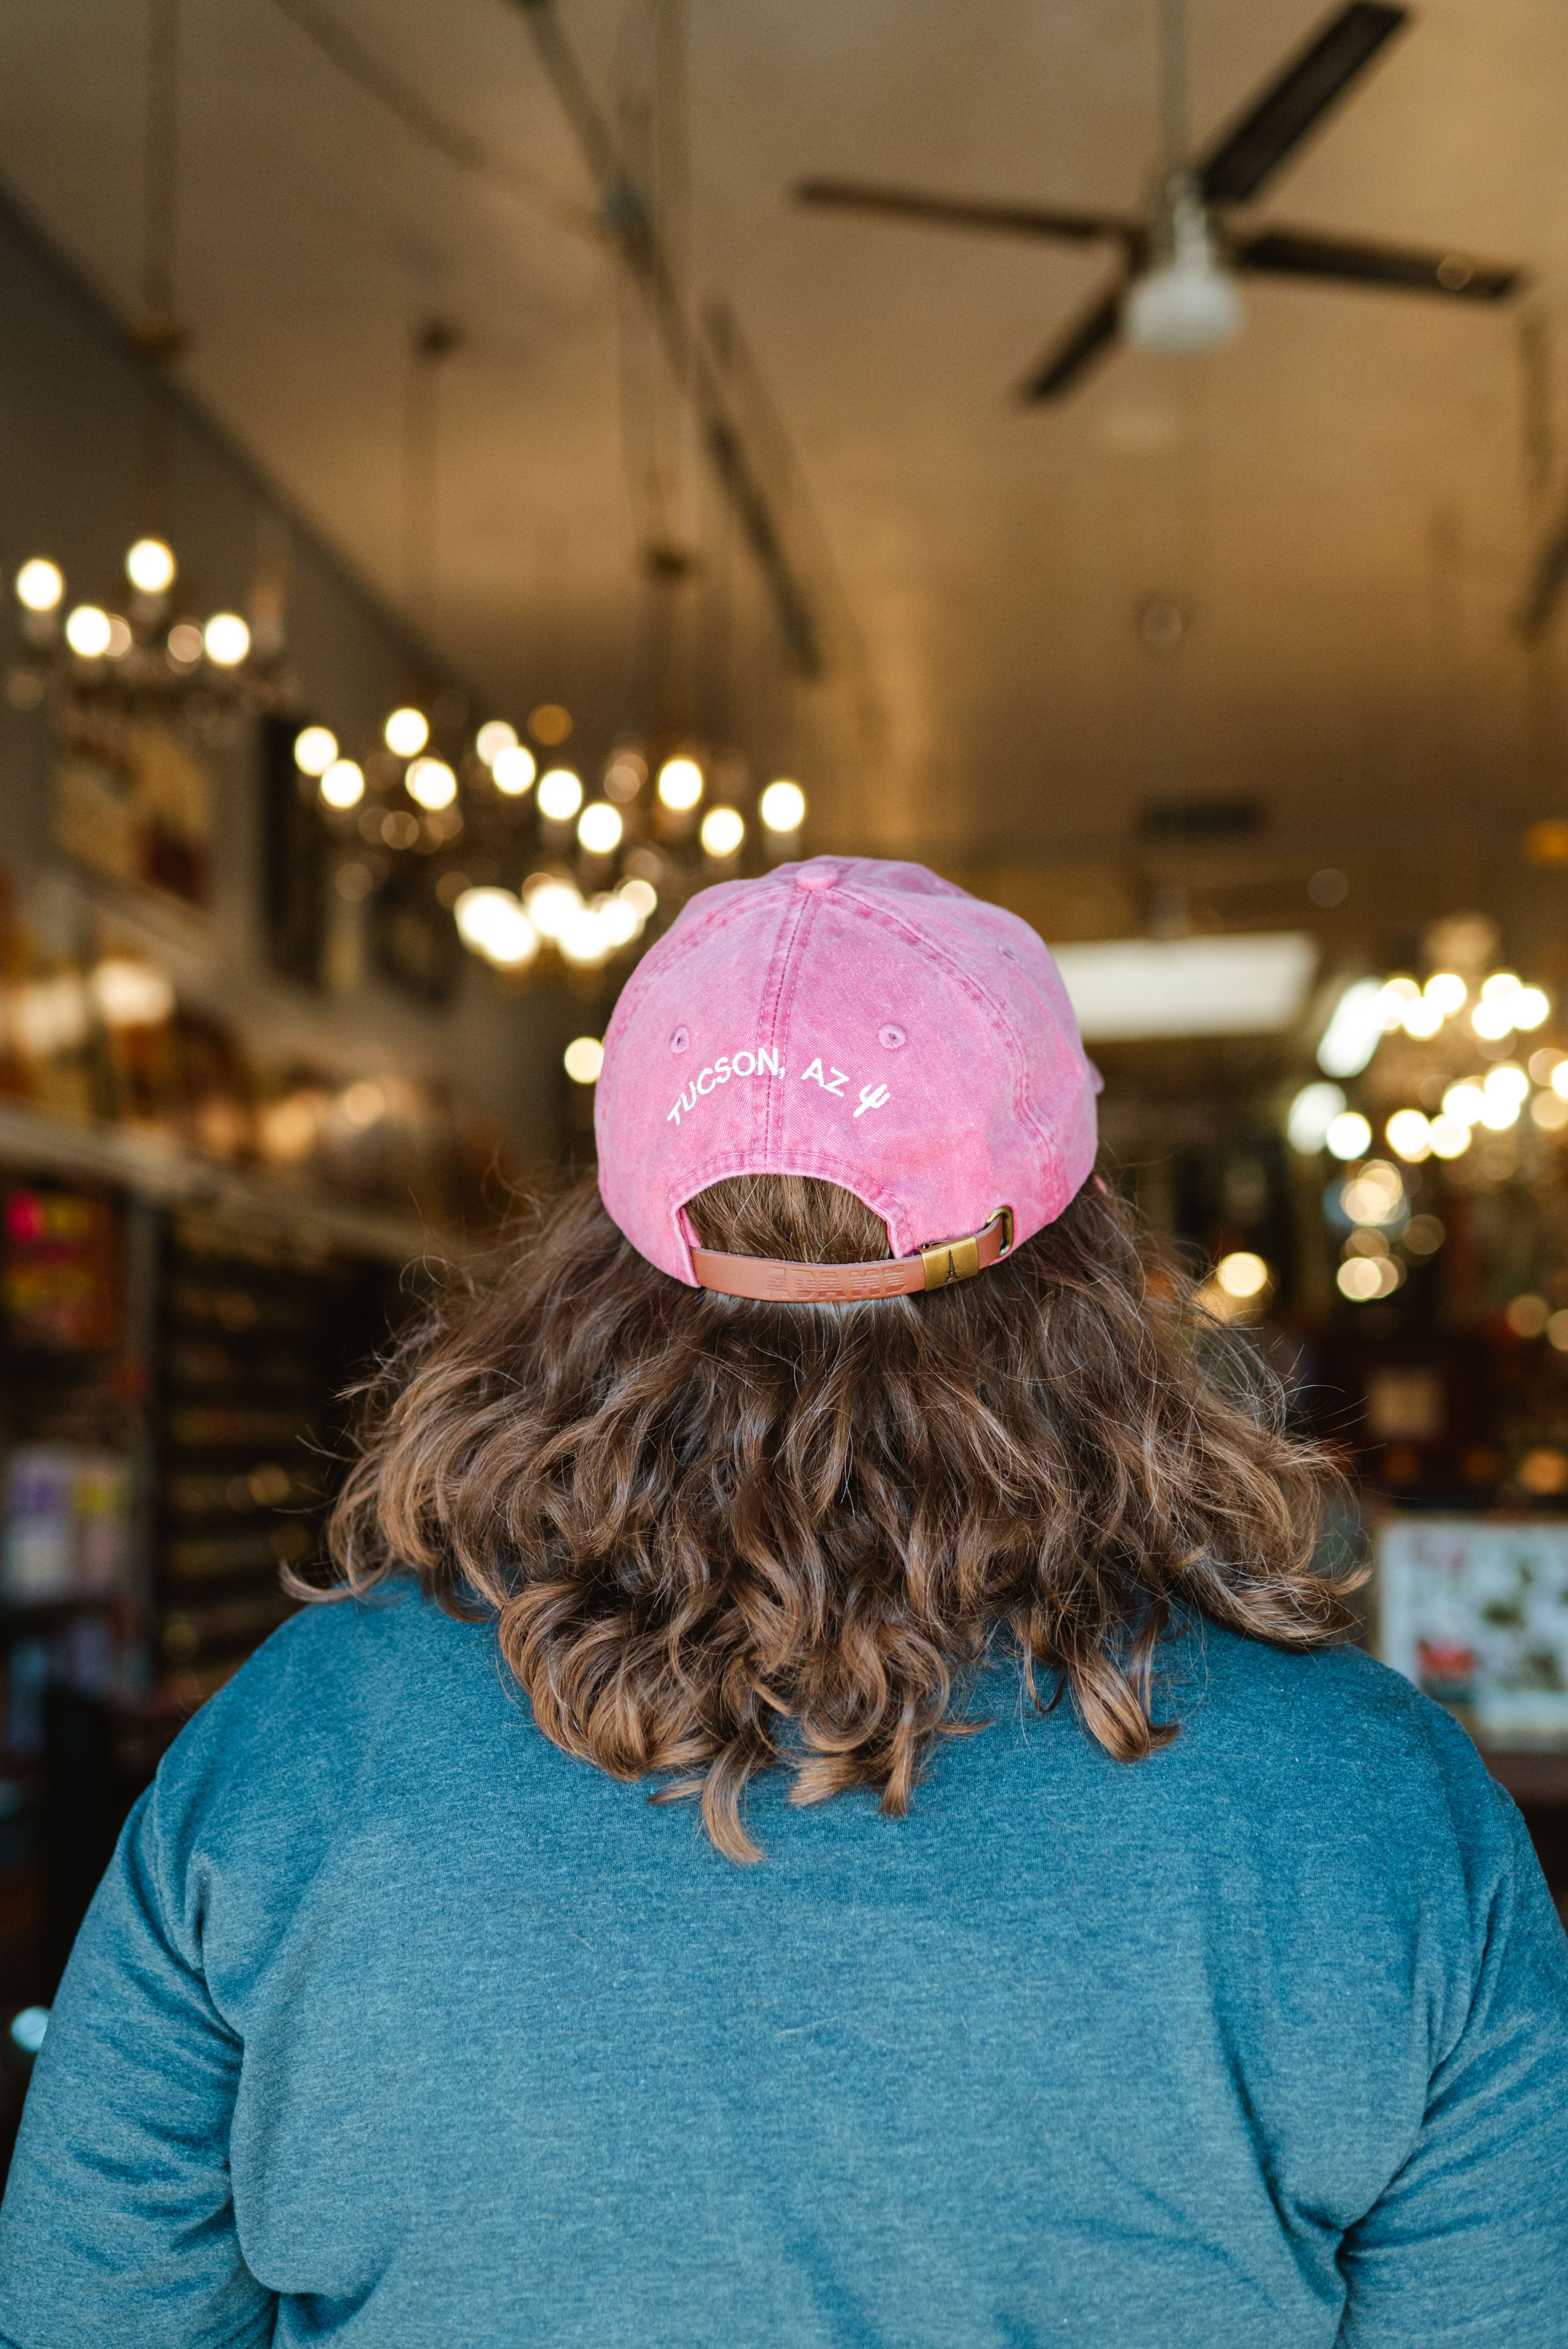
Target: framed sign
133	801
1475	1612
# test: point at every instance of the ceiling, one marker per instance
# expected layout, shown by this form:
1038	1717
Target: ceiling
1340	503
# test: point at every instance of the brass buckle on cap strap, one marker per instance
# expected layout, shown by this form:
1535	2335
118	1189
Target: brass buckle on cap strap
953	1261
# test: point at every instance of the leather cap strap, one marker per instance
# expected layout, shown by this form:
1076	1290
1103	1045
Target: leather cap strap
775	1282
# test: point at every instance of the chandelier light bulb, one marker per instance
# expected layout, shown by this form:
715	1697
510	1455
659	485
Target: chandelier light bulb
406	732
584	941
226	639
1241	1274
551	903
643	899
151	566
342	784
88	632
560	795
1349	1134
493	739
432	782
185	643
40	584
491	923
583	1059
512	770
314	748
599	828
724	829
783	806
679	784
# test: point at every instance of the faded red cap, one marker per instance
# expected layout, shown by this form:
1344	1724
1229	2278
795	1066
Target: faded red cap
864	1022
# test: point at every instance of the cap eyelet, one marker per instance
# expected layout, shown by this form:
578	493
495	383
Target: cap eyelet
890	1038
681	1040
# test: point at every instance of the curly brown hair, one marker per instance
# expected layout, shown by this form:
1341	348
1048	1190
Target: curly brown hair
718	1536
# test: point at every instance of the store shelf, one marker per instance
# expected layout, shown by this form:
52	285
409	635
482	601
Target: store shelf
160	1171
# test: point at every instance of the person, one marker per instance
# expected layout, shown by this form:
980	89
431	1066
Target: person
1044	1927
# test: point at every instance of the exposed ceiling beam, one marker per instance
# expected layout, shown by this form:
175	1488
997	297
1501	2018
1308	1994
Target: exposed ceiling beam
628	220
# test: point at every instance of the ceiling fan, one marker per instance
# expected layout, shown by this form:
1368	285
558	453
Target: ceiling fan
1177	289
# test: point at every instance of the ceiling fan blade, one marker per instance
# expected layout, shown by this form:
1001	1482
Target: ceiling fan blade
1236	166
1089	338
1293	253
960	211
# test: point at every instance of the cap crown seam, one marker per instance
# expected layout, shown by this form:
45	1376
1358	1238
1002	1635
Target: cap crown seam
994	1013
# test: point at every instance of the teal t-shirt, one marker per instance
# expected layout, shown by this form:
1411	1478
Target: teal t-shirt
391	2026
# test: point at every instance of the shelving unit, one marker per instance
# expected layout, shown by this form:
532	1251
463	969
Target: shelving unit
233	1313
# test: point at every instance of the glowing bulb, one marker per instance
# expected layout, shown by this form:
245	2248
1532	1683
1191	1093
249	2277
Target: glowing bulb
491	923
1448	990
583	941
406	732
40	584
1310	1114
1528	1008
643	899
1395	994
551	903
432	782
1241	1274
512	770
679	784
584	1057
620	923
1493	1021
1360	1277
783	807
314	748
1509	1079
493	738
724	829
149	566
1409	1136
185	643
599	828
1464	1103
560	795
119	638
88	632
342	784
1500	986
1450	1136
1375	1195
1421	1018
1500	1111
1348	1134
227	639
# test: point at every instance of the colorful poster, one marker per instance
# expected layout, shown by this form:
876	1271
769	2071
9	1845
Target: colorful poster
1475	1612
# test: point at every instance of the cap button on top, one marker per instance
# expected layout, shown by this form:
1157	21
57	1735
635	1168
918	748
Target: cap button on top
816	876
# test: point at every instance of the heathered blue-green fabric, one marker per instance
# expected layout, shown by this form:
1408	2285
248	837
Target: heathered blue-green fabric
392	2026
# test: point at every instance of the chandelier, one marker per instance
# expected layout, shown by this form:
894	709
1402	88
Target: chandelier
1454	1068
145	652
537	871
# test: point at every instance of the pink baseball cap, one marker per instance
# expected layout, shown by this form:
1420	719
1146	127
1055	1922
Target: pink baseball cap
861	1021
